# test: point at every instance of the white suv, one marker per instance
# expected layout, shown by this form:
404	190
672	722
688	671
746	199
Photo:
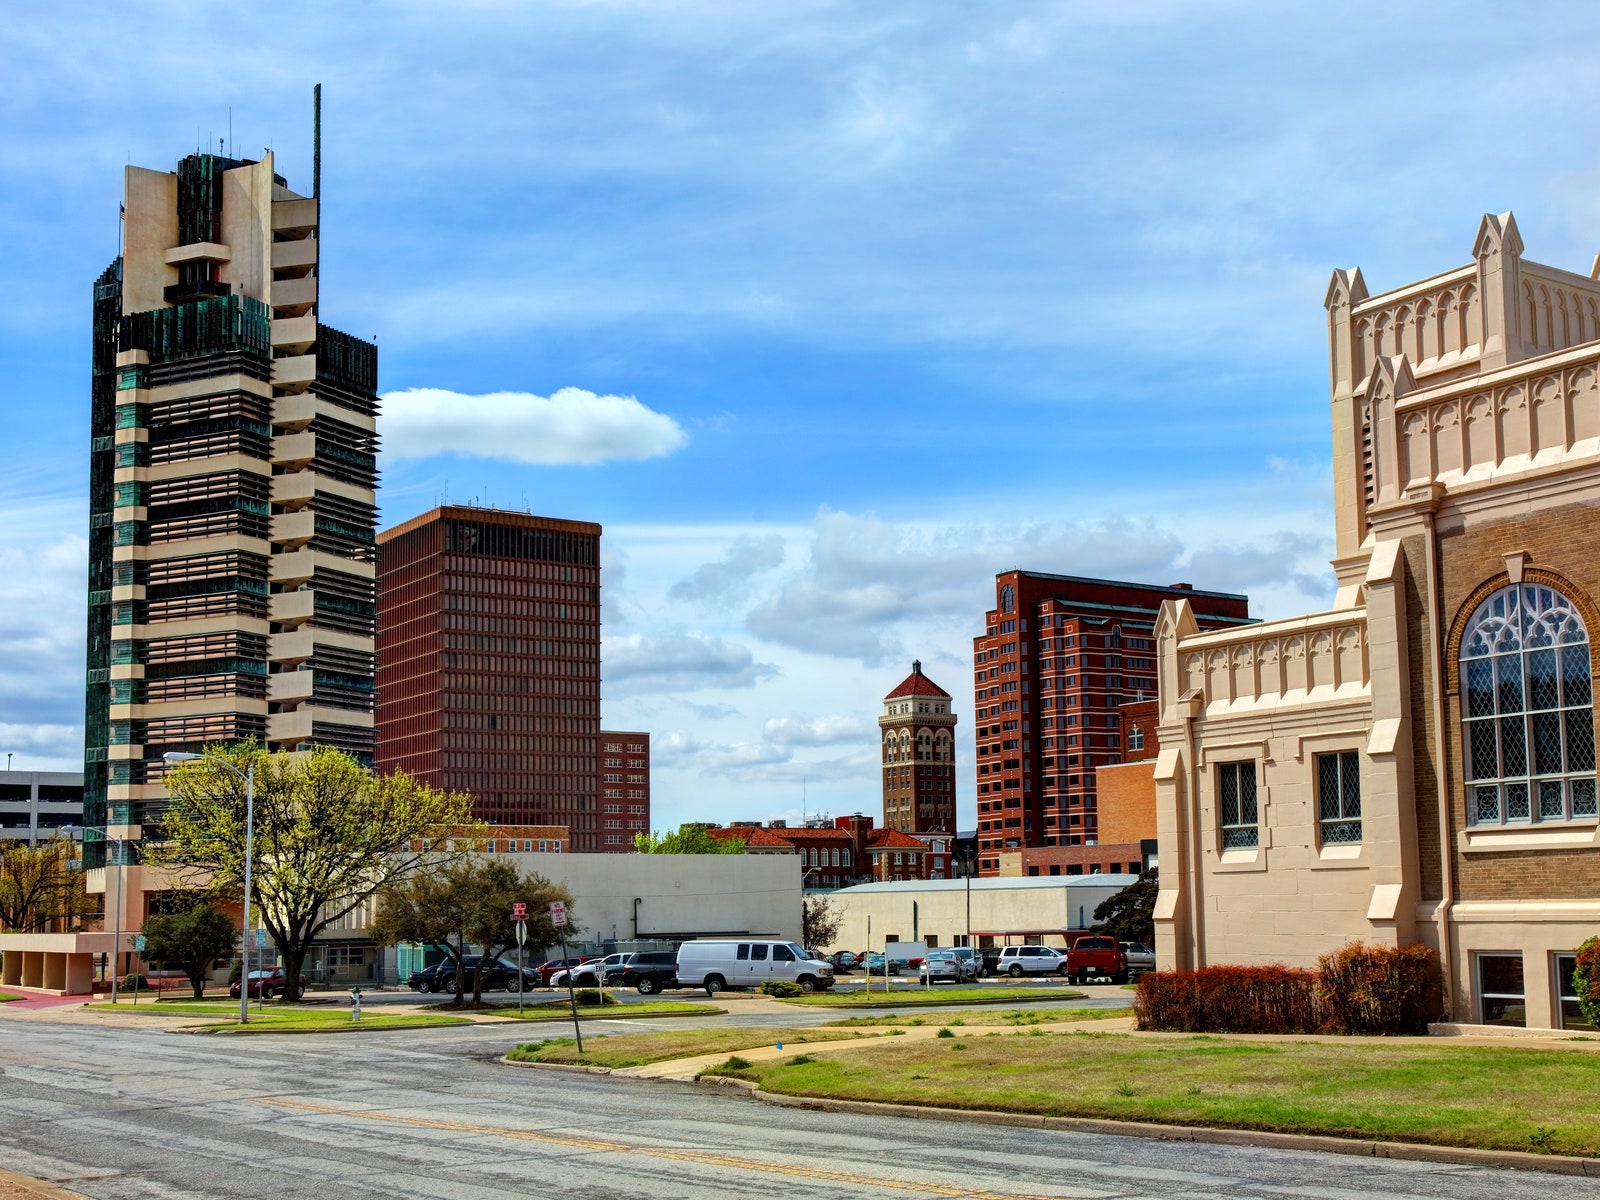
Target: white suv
1017	961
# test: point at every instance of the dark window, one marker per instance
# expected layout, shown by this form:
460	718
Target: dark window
1501	997
758	953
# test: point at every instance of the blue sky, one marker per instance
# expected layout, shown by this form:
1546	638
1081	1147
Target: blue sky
857	303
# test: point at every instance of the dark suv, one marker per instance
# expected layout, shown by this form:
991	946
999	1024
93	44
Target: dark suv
498	976
650	971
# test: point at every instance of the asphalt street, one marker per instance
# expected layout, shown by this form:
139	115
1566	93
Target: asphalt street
118	1112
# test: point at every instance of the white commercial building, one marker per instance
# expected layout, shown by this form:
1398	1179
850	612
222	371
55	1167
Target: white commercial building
1042	910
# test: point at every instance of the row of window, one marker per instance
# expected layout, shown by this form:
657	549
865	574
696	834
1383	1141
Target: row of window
1338	784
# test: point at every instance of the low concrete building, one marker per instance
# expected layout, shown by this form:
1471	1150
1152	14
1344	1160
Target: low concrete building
1048	910
35	805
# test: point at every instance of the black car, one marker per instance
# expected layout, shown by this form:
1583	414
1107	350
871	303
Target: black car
650	971
498	976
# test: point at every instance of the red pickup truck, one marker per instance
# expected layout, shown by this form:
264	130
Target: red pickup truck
1093	957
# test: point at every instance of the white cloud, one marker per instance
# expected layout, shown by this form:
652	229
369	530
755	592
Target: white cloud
716	581
572	427
679	662
817	731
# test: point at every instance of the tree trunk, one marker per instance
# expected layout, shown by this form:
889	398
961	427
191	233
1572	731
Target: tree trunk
294	957
197	980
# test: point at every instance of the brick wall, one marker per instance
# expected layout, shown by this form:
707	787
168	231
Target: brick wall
1127	802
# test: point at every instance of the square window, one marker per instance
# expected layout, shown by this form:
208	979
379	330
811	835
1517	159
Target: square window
1339	796
1501	995
1570	1016
1237	809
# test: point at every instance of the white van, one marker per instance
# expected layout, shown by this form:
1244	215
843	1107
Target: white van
717	963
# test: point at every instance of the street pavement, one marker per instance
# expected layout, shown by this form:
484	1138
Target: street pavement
115	1112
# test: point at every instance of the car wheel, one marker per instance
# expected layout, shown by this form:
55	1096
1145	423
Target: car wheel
449	986
807	984
513	985
425	986
1016	971
648	986
1120	977
267	993
714	984
1063	971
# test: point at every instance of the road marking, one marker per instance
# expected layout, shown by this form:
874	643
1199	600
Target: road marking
734	1162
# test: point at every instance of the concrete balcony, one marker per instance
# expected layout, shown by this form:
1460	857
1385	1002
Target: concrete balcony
294	374
293	529
293	449
294	411
293	647
288	687
199	252
291	727
294	216
294	489
297	295
291	608
294	256
291	568
294	333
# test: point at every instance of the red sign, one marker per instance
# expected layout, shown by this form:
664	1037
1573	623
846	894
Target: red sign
519	912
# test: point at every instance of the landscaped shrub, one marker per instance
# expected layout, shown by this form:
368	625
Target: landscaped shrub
589	997
1586	981
781	987
133	983
1270	999
1383	990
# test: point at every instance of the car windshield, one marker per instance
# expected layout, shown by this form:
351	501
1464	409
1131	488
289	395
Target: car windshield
800	953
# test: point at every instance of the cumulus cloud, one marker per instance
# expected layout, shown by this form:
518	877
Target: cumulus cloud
572	427
756	762
42	595
728	576
680	662
816	731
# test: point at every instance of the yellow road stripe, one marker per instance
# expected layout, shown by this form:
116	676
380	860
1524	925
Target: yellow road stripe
698	1156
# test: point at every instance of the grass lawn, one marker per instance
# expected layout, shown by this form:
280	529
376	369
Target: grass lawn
935	995
5	996
650	1008
1492	1097
636	1049
1014	1016
312	1021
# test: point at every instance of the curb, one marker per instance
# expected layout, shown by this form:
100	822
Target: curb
38	1187
569	1068
936	1005
1517	1160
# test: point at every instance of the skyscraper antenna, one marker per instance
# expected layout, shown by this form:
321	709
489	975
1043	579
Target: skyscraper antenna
230	129
316	148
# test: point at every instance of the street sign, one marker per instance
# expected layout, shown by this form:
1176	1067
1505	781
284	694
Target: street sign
558	913
138	943
522	932
261	939
519	911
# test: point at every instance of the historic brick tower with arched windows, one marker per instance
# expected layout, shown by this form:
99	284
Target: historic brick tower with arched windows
919	757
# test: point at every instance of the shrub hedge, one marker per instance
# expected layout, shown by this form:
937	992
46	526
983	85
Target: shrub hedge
781	987
1357	989
1586	981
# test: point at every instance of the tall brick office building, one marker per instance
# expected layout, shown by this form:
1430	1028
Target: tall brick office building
489	663
919	756
1057	658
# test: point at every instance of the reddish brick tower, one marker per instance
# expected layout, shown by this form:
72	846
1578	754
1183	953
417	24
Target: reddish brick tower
1057	659
489	663
919	758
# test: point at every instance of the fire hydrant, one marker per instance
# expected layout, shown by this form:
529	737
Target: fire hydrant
355	1004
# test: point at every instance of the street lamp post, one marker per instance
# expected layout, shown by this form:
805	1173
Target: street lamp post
249	777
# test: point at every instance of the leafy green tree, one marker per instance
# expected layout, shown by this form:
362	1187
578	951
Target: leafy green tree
1130	915
692	838
191	940
39	889
468	903
329	835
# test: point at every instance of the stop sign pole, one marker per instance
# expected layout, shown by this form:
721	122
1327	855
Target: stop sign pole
558	918
519	914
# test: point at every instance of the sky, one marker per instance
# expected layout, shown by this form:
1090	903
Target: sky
827	312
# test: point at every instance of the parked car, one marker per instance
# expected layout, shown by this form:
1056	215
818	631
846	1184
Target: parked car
499	976
1095	956
844	961
1017	961
596	972
547	969
967	955
265	984
650	971
1140	957
717	963
944	964
875	961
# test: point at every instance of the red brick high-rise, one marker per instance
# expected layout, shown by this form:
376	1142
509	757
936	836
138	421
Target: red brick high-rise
1058	657
489	663
624	788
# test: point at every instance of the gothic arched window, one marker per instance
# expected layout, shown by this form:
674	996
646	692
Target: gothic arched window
1008	598
1527	709
1136	738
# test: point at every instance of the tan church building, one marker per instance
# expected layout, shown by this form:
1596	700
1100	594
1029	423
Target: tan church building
1417	763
